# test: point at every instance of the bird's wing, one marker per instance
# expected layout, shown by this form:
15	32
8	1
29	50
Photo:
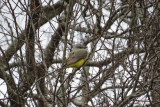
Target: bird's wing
76	56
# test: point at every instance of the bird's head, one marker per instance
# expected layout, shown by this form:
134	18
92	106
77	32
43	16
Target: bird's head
80	46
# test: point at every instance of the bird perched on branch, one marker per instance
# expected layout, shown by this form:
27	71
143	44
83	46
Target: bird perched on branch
77	57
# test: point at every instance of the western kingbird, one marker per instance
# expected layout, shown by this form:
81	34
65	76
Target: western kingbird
77	57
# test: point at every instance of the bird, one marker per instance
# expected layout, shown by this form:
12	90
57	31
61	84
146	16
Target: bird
77	57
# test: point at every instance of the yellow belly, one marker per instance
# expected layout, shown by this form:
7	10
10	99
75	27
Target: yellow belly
79	63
